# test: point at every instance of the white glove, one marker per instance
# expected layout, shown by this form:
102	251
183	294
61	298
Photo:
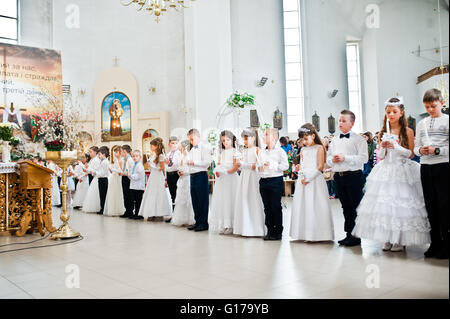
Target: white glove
310	175
381	154
402	151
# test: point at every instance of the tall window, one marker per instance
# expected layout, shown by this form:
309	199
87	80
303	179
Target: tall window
293	60
354	83
9	21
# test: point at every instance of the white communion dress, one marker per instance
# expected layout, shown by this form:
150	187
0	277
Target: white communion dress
183	214
221	216
311	218
114	204
249	215
91	203
393	208
156	201
82	186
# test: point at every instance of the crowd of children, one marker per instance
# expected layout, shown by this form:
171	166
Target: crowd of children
398	202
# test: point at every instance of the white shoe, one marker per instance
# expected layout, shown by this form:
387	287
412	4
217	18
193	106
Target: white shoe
228	231
397	248
387	246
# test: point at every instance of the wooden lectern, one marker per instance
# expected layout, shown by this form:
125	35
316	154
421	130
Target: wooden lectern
28	200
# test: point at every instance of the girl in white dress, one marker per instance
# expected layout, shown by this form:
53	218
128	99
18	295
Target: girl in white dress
56	199
183	214
311	218
114	199
392	210
249	214
83	183
221	217
156	201
91	203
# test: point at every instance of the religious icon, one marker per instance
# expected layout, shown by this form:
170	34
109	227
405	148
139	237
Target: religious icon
115	112
331	124
116	117
316	121
278	119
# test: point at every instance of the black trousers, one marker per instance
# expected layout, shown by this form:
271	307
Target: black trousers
200	198
103	190
127	196
136	200
349	189
271	190
436	192
172	180
90	178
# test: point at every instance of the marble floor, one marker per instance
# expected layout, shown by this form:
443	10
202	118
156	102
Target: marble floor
135	259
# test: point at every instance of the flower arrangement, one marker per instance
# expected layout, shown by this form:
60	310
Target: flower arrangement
57	124
54	145
6	132
237	100
14	141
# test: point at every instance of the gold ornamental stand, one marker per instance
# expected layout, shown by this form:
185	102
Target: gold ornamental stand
63	160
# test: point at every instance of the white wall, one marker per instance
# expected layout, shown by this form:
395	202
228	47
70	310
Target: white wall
258	50
153	52
36	28
227	45
388	65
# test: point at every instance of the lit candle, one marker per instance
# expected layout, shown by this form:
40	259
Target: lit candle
388	128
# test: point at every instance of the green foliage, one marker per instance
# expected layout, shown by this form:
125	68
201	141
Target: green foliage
241	100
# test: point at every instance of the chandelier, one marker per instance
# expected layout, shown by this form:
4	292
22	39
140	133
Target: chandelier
157	7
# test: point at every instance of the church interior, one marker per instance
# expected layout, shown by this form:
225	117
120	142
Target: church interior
107	73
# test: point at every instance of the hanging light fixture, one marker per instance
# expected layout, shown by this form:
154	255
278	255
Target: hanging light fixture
157	7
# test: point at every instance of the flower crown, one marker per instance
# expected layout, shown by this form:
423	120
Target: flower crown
304	130
400	102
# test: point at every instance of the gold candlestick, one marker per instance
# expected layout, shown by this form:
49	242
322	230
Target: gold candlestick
63	160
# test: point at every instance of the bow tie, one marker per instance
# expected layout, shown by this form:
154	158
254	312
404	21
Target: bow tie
345	135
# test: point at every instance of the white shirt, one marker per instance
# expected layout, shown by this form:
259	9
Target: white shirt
354	149
278	162
94	164
201	155
437	130
79	173
176	157
137	177
103	169
128	164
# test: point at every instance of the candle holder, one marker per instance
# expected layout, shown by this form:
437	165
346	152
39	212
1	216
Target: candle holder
63	160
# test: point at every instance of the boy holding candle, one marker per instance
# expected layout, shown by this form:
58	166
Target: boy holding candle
346	156
432	145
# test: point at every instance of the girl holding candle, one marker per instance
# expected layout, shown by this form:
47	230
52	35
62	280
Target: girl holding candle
224	196
311	218
249	208
393	209
156	202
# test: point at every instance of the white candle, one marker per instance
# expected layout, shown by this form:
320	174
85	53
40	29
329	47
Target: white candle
388	128
427	138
